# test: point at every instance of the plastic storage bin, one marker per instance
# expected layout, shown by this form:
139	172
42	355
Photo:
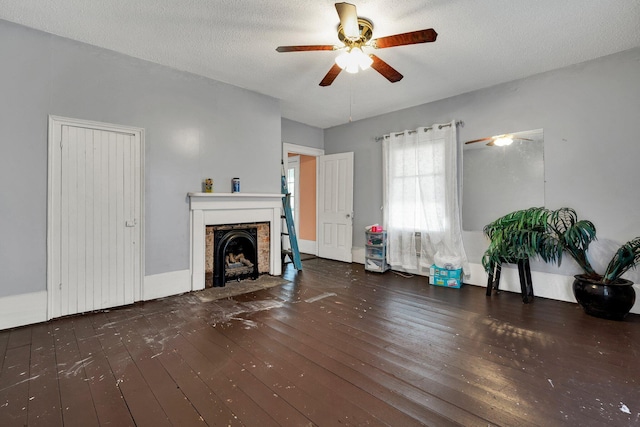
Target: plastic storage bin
376	252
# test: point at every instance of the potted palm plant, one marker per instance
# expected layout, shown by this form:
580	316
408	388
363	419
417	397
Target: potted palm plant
549	234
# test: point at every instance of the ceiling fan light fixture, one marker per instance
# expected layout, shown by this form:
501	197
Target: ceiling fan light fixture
502	141
352	68
363	61
353	59
343	60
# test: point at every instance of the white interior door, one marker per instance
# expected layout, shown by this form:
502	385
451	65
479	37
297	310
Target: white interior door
335	206
96	217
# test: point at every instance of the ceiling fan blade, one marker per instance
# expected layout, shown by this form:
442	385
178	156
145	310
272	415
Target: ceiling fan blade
413	37
331	75
349	20
385	69
481	139
305	48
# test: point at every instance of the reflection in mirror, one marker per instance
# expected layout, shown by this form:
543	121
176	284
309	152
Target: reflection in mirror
498	179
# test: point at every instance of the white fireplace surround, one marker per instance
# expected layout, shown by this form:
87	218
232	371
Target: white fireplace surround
232	208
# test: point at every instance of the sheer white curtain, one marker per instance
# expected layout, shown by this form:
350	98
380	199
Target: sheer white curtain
422	197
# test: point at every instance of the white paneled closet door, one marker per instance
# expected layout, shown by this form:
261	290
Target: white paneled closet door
100	220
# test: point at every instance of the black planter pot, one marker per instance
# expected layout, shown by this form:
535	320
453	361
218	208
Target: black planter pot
610	301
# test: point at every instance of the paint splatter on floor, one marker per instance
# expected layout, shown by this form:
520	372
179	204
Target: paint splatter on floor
227	310
321	296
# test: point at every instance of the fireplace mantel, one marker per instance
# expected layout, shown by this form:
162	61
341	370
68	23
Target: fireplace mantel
232	208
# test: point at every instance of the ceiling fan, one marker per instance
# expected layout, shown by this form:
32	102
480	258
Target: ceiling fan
499	140
355	33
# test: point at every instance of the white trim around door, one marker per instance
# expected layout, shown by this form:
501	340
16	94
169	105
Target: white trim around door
95	216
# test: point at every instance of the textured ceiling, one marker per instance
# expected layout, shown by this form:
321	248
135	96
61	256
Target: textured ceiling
480	44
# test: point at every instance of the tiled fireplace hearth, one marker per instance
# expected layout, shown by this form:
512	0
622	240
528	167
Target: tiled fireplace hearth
236	208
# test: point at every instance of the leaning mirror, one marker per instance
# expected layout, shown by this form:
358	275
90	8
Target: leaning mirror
501	174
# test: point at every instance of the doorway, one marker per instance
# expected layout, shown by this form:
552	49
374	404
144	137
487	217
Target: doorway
301	165
332	209
293	185
94	222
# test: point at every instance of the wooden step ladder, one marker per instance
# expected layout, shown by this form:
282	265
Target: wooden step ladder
294	252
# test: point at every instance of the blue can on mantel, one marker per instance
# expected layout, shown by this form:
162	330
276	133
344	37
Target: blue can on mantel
235	185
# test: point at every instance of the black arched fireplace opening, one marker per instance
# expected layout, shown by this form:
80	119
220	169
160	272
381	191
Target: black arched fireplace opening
235	255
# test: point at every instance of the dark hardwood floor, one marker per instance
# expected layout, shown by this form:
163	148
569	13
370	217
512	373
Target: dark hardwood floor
336	346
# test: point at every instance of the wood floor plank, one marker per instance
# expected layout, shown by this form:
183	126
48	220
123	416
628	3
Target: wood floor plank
408	362
592	412
206	401
142	403
319	383
44	391
420	368
144	347
321	405
160	336
75	394
14	390
219	373
435	419
529	356
254	380
19	337
109	402
4	341
365	377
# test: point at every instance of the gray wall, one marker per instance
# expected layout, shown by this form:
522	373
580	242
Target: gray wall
195	128
301	134
589	112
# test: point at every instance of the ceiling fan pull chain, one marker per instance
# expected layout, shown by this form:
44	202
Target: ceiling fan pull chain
350	98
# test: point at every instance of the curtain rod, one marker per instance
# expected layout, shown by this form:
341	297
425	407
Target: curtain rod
458	123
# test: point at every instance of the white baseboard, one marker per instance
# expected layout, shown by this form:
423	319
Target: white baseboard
357	254
166	284
307	246
25	309
546	285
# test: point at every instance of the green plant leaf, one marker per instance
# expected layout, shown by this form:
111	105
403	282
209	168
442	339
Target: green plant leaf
541	232
549	234
625	258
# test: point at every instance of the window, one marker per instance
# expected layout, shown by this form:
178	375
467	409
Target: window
416	186
420	206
